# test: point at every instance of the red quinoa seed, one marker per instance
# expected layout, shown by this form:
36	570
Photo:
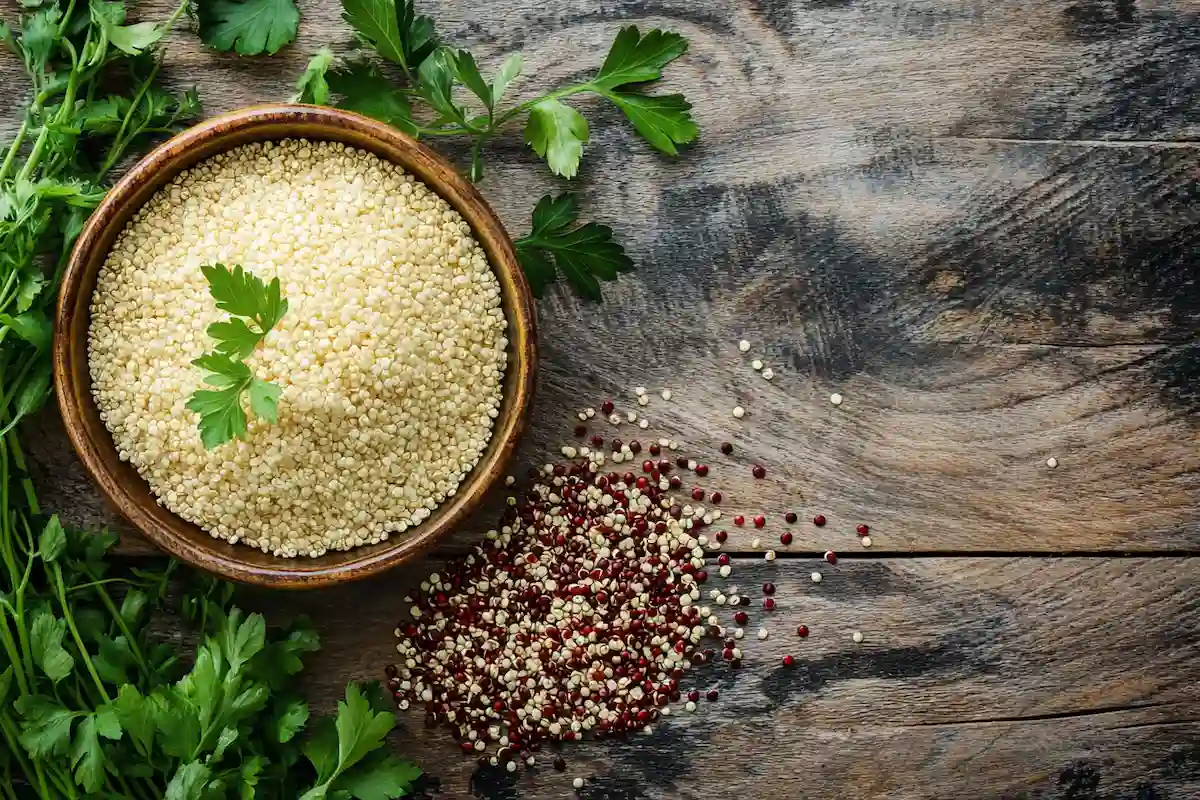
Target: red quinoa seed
863	530
819	520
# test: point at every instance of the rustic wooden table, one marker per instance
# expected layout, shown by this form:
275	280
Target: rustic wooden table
977	221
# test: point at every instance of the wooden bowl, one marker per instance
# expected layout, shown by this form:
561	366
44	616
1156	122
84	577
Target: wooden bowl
120	482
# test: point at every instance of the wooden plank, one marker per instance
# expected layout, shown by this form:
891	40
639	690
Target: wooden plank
977	677
863	207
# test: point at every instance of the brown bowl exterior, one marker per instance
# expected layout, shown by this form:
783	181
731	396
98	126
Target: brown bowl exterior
120	482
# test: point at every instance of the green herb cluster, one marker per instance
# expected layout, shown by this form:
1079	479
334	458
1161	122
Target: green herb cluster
245	296
427	103
93	705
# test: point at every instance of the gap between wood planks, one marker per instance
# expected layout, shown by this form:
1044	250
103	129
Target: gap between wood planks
1182	144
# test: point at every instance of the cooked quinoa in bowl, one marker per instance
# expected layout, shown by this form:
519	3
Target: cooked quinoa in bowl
390	359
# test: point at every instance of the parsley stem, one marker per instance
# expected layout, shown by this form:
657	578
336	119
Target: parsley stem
60	591
17	141
557	94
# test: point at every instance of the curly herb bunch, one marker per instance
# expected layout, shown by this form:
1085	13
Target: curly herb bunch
428	104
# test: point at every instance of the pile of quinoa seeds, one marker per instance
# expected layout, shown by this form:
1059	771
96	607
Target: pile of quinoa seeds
581	615
390	357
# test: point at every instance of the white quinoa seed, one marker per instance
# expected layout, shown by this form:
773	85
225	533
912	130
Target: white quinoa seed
690	706
756	543
744	346
666	394
857	637
768	373
816	577
756	364
725	571
643	423
1051	462
763	633
577	783
640	391
643	400
835	398
866	541
389	359
769	555
739	412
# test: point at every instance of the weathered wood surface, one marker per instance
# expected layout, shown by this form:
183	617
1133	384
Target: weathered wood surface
978	222
865	206
977	678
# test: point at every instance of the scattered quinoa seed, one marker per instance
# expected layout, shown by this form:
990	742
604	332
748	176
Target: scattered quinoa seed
763	633
865	541
816	577
831	557
835	398
739	412
744	346
756	364
1051	462
666	394
857	637
802	631
768	373
863	530
819	520
727	448
577	783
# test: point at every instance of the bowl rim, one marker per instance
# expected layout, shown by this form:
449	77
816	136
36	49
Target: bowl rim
91	439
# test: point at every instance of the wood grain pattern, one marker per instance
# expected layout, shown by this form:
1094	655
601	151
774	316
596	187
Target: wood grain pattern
977	678
974	220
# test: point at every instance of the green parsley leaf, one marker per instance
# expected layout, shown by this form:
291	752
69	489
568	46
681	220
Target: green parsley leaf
114	659
250	27
393	28
281	658
382	776
241	640
39	37
360	729
32	326
130	39
86	756
53	540
243	294
437	73
364	91
31	286
45	644
234	338
664	121
467	72
507	73
221	416
136	715
46	725
251	770
312	86
558	133
585	254
188	781
264	400
289	718
634	58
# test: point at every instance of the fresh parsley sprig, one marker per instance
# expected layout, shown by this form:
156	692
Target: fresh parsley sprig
252	303
434	72
248	27
428	103
586	254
